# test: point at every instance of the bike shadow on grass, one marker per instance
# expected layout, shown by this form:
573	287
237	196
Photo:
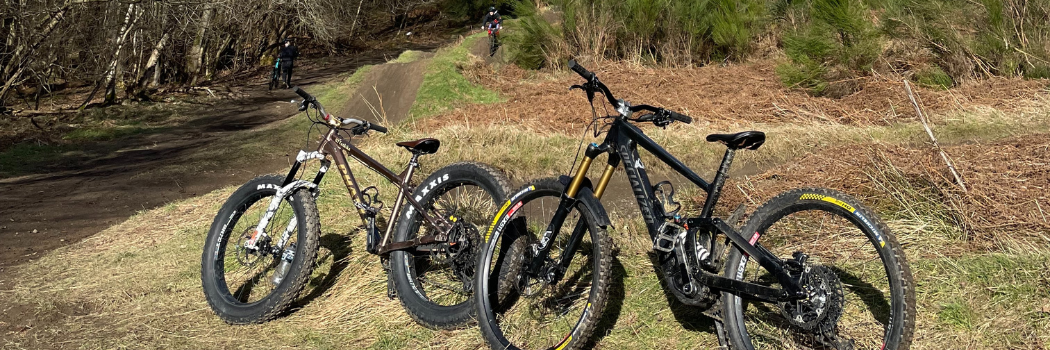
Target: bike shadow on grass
613	306
691	318
338	249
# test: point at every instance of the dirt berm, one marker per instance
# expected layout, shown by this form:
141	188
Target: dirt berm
386	93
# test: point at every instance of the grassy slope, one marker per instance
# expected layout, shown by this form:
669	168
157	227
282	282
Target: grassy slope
139	280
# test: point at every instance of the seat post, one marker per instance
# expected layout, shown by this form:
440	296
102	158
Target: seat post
716	186
406	178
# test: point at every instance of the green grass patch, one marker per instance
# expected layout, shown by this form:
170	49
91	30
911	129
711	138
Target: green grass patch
25	157
408	56
444	87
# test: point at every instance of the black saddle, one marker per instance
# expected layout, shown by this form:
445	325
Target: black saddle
421	146
747	139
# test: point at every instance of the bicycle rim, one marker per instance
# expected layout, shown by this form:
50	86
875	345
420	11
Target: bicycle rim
855	290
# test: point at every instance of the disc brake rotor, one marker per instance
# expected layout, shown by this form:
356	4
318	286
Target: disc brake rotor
820	311
250	257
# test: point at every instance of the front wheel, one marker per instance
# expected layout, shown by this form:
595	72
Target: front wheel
245	285
861	293
521	310
433	281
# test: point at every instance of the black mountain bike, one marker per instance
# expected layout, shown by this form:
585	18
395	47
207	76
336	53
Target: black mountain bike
812	268
262	245
275	77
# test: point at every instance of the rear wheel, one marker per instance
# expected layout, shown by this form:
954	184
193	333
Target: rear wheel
523	311
434	281
860	288
245	285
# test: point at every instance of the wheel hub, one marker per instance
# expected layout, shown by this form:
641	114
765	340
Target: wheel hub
820	310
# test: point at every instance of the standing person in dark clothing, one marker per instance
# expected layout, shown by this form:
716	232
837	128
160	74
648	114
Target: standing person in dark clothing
287	57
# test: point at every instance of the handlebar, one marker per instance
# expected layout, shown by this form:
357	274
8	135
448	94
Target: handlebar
595	85
376	127
583	72
362	125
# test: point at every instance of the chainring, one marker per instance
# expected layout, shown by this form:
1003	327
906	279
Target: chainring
677	279
820	311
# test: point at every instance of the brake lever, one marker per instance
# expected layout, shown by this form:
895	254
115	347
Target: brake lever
662	118
303	105
360	129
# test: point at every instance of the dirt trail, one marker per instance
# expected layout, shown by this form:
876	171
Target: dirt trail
387	92
79	197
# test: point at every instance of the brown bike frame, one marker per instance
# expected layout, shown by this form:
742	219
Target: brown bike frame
334	145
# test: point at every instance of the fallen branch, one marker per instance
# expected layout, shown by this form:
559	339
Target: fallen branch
925	125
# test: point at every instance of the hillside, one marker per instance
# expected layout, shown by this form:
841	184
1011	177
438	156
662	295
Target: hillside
980	258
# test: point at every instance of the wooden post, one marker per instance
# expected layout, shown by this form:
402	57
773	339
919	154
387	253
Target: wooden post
925	125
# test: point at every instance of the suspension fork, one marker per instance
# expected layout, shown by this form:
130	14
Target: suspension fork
567	202
288	187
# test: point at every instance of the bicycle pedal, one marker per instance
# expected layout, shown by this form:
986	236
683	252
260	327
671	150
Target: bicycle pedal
664	242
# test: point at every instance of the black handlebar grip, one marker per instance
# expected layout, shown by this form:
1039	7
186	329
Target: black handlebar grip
377	127
302	93
583	72
680	117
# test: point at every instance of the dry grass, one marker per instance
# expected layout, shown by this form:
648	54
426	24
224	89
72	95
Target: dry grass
719	96
982	285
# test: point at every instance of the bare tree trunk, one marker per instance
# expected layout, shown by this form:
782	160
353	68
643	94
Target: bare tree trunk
24	53
111	71
352	26
193	60
154	58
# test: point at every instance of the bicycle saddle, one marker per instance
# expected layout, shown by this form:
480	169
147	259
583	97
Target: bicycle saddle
747	139
421	146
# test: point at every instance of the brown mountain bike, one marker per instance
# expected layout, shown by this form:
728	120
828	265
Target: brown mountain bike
262	246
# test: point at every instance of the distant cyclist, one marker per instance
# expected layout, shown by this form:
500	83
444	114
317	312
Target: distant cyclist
492	25
287	57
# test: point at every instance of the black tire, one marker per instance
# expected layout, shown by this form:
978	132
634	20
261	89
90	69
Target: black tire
434	287
504	316
237	218
493	44
847	246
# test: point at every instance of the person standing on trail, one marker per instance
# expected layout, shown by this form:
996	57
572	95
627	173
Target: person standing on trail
287	57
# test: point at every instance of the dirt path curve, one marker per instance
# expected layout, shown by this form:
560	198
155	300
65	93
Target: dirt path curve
80	197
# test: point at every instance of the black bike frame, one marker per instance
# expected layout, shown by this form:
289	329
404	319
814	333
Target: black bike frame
621	143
